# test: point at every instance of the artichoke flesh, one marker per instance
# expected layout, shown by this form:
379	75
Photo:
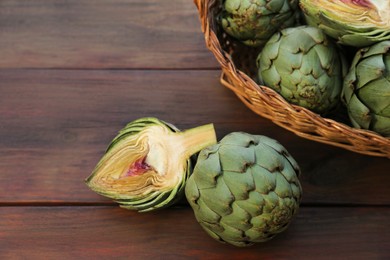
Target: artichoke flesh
351	22
254	21
304	66
366	90
244	189
148	163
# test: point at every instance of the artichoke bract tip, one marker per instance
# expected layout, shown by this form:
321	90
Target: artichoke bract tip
147	164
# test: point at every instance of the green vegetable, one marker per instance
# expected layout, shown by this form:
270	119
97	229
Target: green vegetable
148	163
245	189
351	22
366	90
304	67
254	21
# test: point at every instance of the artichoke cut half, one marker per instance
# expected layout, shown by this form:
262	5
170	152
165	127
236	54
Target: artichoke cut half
147	164
356	23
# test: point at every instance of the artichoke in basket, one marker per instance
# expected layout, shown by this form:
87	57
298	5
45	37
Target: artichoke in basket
244	189
304	66
366	90
148	163
351	22
254	21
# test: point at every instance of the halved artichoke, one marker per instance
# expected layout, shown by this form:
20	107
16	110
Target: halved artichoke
351	22
148	163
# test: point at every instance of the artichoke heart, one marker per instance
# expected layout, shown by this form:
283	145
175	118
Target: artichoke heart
148	163
351	22
244	189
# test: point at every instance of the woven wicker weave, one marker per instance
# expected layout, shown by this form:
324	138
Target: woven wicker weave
238	74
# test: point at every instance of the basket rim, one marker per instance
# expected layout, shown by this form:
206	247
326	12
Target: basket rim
357	140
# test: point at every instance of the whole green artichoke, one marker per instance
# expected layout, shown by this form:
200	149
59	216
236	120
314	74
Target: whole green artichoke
254	21
244	189
148	163
304	67
366	90
351	22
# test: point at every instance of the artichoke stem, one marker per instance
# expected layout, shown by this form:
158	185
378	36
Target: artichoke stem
195	139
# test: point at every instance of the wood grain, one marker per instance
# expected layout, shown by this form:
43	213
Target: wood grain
111	232
102	34
74	72
55	125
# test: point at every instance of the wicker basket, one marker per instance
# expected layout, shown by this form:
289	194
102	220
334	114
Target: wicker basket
238	74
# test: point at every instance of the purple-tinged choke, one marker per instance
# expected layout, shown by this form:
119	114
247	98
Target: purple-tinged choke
148	163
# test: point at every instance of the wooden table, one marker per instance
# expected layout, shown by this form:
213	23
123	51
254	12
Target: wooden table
74	72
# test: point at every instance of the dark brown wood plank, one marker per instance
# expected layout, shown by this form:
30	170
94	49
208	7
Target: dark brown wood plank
55	125
111	232
102	34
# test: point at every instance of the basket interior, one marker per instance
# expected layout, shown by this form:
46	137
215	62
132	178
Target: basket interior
244	57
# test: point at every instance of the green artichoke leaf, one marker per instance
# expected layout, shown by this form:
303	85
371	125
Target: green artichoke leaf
359	113
376	96
146	166
219	199
382	124
239	219
209	215
211	168
264	180
372	68
377	49
253	204
236	160
355	23
239	184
